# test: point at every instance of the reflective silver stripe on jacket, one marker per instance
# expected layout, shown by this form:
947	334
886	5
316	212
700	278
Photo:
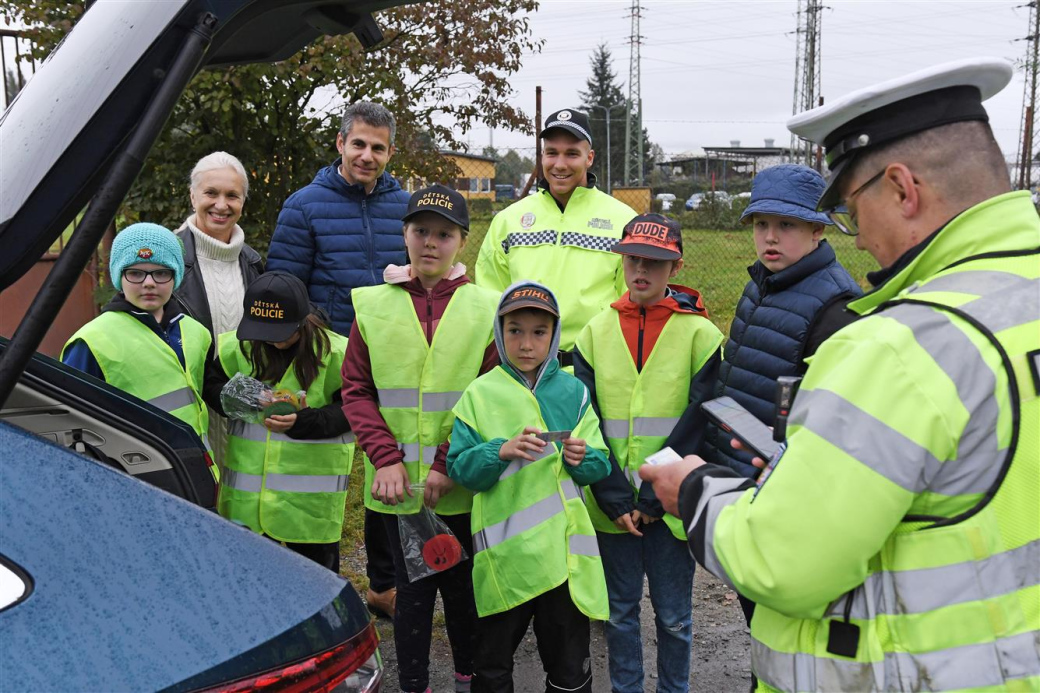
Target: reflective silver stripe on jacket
981	665
172	401
411	452
615	428
241	481
404	398
571	490
516	465
582	545
257	433
633	478
295	483
440	401
653	425
979	455
927	589
716	494
518	523
1005	300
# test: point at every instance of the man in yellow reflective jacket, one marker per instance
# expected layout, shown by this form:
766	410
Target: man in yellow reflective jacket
561	236
895	544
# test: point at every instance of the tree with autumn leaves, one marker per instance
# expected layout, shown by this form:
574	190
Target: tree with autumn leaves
442	68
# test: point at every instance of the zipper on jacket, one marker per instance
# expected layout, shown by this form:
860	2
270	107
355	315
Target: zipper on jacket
639	348
365	221
429	316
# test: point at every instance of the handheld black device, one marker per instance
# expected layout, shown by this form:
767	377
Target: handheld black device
735	419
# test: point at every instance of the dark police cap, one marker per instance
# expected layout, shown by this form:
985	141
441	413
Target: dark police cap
883	113
571	120
441	200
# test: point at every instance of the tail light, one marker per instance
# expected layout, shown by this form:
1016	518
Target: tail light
350	667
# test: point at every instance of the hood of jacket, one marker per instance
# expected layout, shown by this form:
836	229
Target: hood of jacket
550	365
329	177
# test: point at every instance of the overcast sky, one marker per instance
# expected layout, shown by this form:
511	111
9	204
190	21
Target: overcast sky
719	71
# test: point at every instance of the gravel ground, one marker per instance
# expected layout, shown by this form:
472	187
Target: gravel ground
720	648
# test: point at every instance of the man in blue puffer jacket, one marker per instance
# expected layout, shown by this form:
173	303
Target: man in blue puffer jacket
795	300
341	231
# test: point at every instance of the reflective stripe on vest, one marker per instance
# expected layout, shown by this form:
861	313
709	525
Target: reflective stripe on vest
641	426
259	434
419	382
174	400
294	483
982	665
518	523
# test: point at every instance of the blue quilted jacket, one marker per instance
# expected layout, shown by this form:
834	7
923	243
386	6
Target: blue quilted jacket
773	321
335	238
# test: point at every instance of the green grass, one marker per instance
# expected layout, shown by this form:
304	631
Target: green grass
716	265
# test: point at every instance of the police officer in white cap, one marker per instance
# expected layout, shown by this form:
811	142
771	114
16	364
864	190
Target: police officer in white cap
895	543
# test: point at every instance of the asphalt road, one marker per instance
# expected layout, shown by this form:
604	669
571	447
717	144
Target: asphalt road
720	648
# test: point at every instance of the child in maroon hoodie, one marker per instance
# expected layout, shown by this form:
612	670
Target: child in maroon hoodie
417	341
648	362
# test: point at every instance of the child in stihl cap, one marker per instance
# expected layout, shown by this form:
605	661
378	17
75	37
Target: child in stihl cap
141	342
417	342
525	437
648	362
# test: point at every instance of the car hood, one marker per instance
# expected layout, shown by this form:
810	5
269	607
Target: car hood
59	136
136	589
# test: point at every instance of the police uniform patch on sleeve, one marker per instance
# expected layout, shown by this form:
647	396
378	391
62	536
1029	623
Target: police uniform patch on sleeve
527	220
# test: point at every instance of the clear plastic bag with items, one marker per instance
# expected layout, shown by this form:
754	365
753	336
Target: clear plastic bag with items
429	546
247	399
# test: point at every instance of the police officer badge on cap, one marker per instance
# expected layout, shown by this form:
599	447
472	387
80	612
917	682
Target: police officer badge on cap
570	119
876	115
564	115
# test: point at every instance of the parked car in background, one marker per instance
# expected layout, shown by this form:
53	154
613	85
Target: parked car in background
505	192
697	200
115	574
666	200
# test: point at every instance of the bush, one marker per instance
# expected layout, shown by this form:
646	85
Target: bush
480	207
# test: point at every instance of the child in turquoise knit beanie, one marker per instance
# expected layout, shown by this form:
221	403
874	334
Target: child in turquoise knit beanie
142	343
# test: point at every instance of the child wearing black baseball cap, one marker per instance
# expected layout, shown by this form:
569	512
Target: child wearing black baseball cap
649	361
526	438
417	341
287	477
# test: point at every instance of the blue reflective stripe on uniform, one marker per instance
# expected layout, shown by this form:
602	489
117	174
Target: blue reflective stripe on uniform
404	398
978	462
582	545
518	523
257	433
241	481
440	401
307	483
928	589
615	428
981	665
653	425
172	401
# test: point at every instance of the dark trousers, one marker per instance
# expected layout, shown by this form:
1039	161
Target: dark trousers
323	554
380	559
562	632
413	616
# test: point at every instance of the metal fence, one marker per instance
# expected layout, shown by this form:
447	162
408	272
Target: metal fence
16	64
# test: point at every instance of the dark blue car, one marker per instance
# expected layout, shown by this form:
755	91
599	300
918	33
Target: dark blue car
115	573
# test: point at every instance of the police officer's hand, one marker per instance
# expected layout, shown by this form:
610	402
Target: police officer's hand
437	486
573	451
668	478
391	483
523	446
629	522
737	445
279	423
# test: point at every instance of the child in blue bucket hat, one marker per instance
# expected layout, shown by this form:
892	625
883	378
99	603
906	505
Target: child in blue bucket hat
142	343
795	300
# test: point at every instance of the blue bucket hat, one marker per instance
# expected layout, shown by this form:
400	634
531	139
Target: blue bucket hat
790	190
146	242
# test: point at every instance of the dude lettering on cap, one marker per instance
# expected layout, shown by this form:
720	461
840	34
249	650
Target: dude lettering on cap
435	199
270	311
648	229
144	253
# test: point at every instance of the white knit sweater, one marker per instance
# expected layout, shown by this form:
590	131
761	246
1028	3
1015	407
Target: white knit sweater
222	276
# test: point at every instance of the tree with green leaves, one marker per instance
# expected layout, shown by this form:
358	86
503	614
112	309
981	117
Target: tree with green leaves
442	69
602	90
